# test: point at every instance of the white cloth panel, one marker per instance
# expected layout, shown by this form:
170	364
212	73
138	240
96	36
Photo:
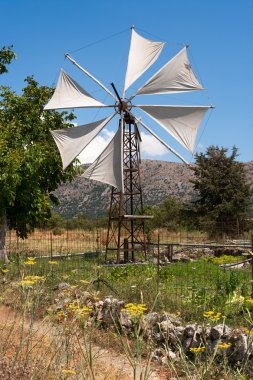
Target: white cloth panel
68	94
182	122
175	76
107	168
163	143
72	141
142	54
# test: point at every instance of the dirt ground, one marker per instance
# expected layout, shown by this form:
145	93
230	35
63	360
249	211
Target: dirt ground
108	365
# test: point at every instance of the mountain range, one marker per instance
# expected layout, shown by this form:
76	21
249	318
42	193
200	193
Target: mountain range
160	179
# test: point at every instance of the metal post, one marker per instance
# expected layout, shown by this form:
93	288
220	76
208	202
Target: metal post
170	252
125	250
158	261
252	267
51	245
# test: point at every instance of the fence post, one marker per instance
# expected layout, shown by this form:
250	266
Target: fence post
51	245
67	238
126	251
252	266
158	261
170	252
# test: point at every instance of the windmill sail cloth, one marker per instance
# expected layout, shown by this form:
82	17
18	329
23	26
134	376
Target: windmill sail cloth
142	54
68	94
175	76
72	141
108	167
182	122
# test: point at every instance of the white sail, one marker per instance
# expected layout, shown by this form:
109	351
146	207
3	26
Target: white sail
142	54
72	141
175	76
182	122
108	167
68	94
163	142
90	76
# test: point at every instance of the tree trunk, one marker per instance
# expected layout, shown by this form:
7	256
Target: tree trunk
3	232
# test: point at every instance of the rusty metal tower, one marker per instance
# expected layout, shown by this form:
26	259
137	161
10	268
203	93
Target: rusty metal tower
126	233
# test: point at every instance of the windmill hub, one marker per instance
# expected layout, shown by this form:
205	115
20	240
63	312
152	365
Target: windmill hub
123	106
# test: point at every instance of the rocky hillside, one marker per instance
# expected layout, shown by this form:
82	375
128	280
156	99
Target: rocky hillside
160	179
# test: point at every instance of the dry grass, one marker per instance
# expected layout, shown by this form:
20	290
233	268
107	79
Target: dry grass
42	242
36	351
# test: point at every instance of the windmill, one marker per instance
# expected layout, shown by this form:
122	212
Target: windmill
119	164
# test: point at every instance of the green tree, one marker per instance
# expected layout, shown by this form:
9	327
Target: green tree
224	196
30	165
6	56
168	214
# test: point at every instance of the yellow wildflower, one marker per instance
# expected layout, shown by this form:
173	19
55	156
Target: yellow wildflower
74	270
87	309
135	310
250	332
26	282
60	316
197	350
212	316
5	270
83	312
68	371
223	345
31	258
51	262
84	282
208	314
35	278
65	276
30	262
73	306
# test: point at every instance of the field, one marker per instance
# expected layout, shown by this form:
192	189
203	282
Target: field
48	290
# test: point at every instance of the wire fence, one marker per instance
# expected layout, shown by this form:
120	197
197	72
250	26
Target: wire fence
182	271
48	243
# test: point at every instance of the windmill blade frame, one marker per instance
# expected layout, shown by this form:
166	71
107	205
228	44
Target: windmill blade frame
142	54
182	122
175	76
72	141
69	94
90	76
163	142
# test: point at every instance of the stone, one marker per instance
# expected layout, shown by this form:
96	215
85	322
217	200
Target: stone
166	325
241	347
85	296
186	344
125	320
170	317
219	331
189	331
171	355
64	286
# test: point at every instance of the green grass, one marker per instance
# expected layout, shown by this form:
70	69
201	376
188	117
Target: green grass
185	288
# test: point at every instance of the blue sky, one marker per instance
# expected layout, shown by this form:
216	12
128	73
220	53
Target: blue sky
219	32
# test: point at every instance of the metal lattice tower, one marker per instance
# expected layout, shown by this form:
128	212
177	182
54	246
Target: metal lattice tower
126	220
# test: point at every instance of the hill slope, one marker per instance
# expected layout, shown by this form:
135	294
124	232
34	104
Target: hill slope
160	179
